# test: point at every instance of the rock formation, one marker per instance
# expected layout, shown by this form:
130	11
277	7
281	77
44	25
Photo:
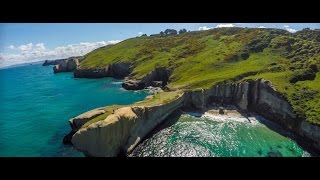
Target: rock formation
58	61
121	131
52	62
66	65
159	77
117	70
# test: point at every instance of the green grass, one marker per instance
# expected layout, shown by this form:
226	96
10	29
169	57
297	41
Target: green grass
160	98
203	58
109	110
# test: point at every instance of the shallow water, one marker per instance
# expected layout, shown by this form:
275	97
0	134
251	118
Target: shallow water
37	104
217	136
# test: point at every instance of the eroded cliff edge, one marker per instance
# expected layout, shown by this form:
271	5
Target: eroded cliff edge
119	132
159	77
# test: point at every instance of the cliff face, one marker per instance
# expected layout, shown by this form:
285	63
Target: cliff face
311	132
58	61
80	120
258	96
121	131
52	62
117	70
157	78
66	65
265	100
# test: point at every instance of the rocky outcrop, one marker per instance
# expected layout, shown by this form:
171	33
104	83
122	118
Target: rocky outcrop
224	94
254	95
261	97
121	131
265	100
52	62
311	132
159	77
117	70
57	61
77	122
80	120
130	84
66	65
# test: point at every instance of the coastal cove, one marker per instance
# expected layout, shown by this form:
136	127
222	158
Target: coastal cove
270	72
36	105
210	134
222	92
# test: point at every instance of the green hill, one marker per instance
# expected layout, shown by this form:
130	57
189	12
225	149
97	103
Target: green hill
203	58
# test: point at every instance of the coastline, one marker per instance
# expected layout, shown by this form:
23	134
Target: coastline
232	114
239	100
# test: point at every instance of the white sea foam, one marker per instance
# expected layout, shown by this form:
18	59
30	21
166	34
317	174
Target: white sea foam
224	118
306	154
116	82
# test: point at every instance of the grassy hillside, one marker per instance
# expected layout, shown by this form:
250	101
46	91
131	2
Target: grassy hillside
201	59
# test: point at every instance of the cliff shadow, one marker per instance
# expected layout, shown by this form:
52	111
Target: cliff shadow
169	121
286	133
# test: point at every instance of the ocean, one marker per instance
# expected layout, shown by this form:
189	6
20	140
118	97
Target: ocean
36	104
205	135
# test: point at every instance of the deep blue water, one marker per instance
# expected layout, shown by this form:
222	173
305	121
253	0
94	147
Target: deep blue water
35	106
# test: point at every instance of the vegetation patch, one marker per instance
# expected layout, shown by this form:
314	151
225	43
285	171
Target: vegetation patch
109	110
200	59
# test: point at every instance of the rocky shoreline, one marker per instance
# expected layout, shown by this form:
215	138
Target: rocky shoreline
227	111
256	96
64	65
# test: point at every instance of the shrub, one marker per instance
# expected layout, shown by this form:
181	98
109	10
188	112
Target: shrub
181	31
302	75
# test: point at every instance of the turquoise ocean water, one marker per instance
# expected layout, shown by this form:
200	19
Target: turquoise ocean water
35	106
214	136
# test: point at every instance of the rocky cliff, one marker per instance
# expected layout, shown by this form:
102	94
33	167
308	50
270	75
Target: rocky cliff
157	78
254	95
261	97
67	65
58	61
121	131
52	62
116	70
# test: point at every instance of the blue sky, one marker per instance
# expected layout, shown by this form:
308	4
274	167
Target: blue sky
30	42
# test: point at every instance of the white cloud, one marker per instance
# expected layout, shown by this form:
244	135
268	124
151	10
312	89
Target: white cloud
203	28
11	47
25	47
29	52
225	25
140	33
40	47
289	29
262	27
